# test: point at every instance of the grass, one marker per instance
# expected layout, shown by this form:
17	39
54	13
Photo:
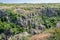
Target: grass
54	5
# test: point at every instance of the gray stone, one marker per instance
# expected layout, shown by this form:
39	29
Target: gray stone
58	25
35	31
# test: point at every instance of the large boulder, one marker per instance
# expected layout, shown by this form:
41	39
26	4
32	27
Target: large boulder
58	25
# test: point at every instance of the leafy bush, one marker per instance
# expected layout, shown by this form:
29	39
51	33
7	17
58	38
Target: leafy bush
50	21
57	34
14	30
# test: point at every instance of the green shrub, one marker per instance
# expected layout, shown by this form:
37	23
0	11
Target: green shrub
14	30
57	34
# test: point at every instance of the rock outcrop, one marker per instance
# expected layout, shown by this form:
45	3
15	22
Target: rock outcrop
32	18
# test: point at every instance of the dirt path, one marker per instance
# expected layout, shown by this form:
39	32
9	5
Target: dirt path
40	36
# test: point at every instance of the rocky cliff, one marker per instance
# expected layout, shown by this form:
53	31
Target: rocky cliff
25	19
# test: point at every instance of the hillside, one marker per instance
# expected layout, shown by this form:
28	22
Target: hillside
29	19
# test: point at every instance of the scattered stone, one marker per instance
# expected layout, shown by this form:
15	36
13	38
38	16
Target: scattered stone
35	31
19	36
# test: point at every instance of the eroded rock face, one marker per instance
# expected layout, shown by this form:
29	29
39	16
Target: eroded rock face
49	12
